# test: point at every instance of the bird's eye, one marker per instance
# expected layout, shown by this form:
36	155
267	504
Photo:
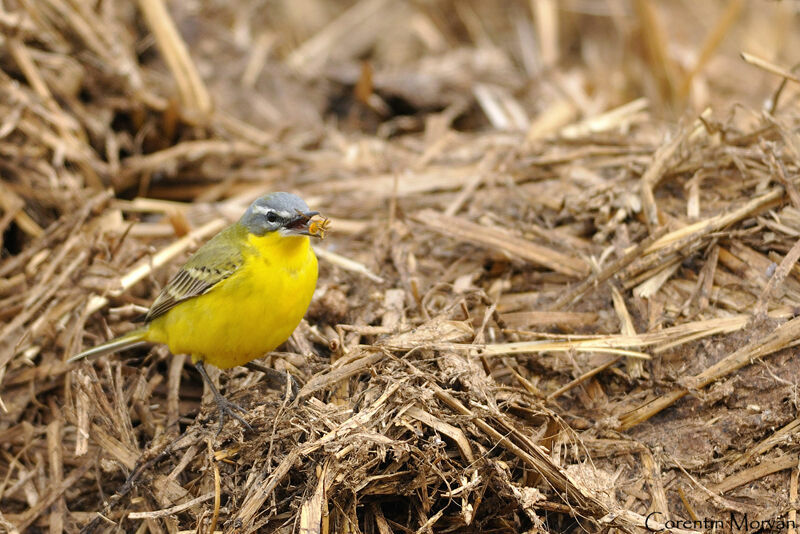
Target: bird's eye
272	217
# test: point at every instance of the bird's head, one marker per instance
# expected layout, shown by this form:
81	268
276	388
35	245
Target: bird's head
284	213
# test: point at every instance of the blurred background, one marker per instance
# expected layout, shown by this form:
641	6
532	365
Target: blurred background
502	65
304	60
297	70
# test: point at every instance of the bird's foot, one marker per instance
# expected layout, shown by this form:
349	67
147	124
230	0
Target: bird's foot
224	406
228	408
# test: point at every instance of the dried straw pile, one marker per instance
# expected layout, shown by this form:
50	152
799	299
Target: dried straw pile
546	304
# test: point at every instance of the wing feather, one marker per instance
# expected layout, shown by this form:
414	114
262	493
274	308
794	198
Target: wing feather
211	264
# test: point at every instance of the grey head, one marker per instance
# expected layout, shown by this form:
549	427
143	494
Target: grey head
282	212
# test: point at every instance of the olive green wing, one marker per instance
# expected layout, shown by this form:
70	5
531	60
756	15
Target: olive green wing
211	264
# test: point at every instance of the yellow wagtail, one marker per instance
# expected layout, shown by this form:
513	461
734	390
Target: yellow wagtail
240	295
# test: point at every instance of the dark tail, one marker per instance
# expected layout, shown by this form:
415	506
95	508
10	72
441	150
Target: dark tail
130	339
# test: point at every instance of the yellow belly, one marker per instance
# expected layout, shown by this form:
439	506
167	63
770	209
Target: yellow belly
248	314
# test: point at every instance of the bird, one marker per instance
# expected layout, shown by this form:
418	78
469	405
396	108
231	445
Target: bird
239	296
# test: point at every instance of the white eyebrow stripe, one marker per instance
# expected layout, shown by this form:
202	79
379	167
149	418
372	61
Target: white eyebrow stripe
266	211
263	210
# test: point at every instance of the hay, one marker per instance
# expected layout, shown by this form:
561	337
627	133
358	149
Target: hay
551	299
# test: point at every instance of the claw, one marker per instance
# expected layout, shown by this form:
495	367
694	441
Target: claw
227	407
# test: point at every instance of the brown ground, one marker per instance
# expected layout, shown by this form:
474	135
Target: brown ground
558	294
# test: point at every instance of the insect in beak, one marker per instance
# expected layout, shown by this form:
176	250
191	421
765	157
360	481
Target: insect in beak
303	225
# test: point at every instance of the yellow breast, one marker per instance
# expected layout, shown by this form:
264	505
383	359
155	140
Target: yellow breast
251	312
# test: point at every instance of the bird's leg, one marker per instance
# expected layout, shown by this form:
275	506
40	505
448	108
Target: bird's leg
224	406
